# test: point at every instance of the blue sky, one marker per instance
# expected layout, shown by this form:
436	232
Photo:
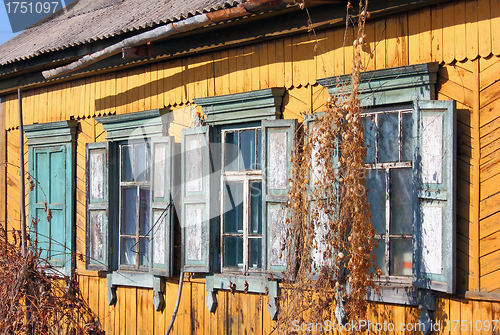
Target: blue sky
5	29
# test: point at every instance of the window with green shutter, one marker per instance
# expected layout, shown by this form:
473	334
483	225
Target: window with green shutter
51	157
410	177
130	202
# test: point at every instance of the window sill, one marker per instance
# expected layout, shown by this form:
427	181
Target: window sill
128	278
241	283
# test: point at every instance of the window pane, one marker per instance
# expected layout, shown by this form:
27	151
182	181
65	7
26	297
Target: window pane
407	138
126	163
375	183
231	151
401	201
380	255
255	208
401	253
259	150
128	250
233	251
388	138
139	162
255	255
247	150
129	210
144	211
233	207
144	252
369	131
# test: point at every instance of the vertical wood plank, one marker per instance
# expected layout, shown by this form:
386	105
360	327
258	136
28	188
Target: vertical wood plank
272	61
280	62
369	47
455	314
218	59
495	27
160	75
349	49
380	50
466	314
485	313
233	72
256	50
210	75
222	313
225	72
141	86
240	72
442	315
153	87
474	270
471	29
339	52
460	35
448	33
264	66
169	84
312	50
247	69
437	33
297	53
414	37
288	62
484	27
187	85
425	35
159	316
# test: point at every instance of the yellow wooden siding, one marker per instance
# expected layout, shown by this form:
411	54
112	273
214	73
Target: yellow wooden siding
490	174
444	33
457	82
242	313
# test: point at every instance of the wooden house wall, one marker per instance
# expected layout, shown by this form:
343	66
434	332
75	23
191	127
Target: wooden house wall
459	35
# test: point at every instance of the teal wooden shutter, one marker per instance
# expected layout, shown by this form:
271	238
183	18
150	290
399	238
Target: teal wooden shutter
317	174
278	143
162	205
48	204
97	206
196	214
434	195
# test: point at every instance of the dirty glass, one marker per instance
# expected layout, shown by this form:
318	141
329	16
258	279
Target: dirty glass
247	158
233	207
255	253
233	251
388	140
376	184
255	226
407	137
401	201
231	151
129	210
369	131
401	257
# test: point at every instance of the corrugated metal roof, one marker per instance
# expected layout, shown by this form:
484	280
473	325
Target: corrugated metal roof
86	21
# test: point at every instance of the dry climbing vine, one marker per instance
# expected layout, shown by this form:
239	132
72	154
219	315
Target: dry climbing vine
331	234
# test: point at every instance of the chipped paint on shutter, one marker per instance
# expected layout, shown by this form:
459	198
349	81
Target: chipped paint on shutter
96	176
432	149
159	238
276	219
278	162
195	232
432	232
194	165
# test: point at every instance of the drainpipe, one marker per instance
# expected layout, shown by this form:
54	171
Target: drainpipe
173	28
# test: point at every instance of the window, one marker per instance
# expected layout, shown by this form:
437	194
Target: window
388	140
129	199
135	205
51	203
410	176
241	184
235	173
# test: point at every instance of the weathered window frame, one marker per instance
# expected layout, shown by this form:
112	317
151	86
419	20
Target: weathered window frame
414	84
135	129
245	177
